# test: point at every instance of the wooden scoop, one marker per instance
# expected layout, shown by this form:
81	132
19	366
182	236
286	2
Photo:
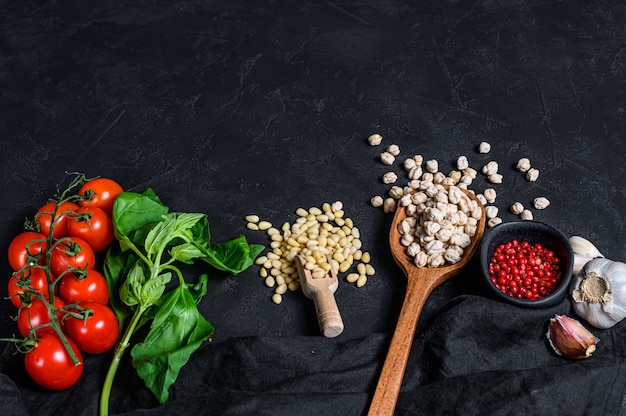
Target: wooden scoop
420	283
322	292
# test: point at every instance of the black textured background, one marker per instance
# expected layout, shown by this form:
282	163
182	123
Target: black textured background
232	108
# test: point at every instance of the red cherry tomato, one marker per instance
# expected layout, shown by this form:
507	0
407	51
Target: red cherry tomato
44	218
37	314
35	279
72	254
97	231
93	287
18	254
103	192
98	333
50	365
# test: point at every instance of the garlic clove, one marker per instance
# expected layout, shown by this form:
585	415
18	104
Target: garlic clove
569	338
583	246
579	262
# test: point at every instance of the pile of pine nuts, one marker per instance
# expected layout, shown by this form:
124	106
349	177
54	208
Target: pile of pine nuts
315	234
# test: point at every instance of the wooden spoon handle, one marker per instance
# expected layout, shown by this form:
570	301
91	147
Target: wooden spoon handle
390	380
328	314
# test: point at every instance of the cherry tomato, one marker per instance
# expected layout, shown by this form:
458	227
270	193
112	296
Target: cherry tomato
50	365
93	287
36	314
103	191
72	253
97	231
44	218
19	256
36	279
98	333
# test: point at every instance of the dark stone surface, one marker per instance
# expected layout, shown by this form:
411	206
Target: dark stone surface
236	108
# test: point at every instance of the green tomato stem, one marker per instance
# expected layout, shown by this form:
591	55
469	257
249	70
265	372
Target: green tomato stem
117	358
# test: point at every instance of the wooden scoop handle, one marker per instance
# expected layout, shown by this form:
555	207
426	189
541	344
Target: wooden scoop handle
328	314
322	291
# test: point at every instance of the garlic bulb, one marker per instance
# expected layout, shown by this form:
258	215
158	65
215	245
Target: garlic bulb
599	292
570	338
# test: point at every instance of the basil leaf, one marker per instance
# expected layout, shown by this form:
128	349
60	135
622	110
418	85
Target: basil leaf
178	329
134	214
233	256
186	253
117	266
197	290
153	289
131	289
173	226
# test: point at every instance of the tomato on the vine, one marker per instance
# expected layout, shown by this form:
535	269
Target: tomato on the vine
27	247
72	254
33	278
92	287
44	217
96	334
37	314
50	365
103	192
97	230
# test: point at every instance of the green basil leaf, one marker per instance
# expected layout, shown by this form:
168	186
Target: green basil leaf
197	290
160	235
153	289
131	290
233	256
178	329
186	253
173	227
133	213
116	267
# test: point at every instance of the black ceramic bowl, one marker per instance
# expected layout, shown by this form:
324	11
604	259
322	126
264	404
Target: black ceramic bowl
533	232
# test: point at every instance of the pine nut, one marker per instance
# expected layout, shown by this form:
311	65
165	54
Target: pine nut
361	281
277	298
252	218
265	225
280	289
318	274
344	266
365	258
352	277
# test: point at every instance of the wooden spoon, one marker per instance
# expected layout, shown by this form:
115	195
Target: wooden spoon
322	292
420	283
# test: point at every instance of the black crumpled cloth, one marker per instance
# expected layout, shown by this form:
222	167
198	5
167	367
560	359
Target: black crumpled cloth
476	357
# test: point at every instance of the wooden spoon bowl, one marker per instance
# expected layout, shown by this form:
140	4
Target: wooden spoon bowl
420	283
